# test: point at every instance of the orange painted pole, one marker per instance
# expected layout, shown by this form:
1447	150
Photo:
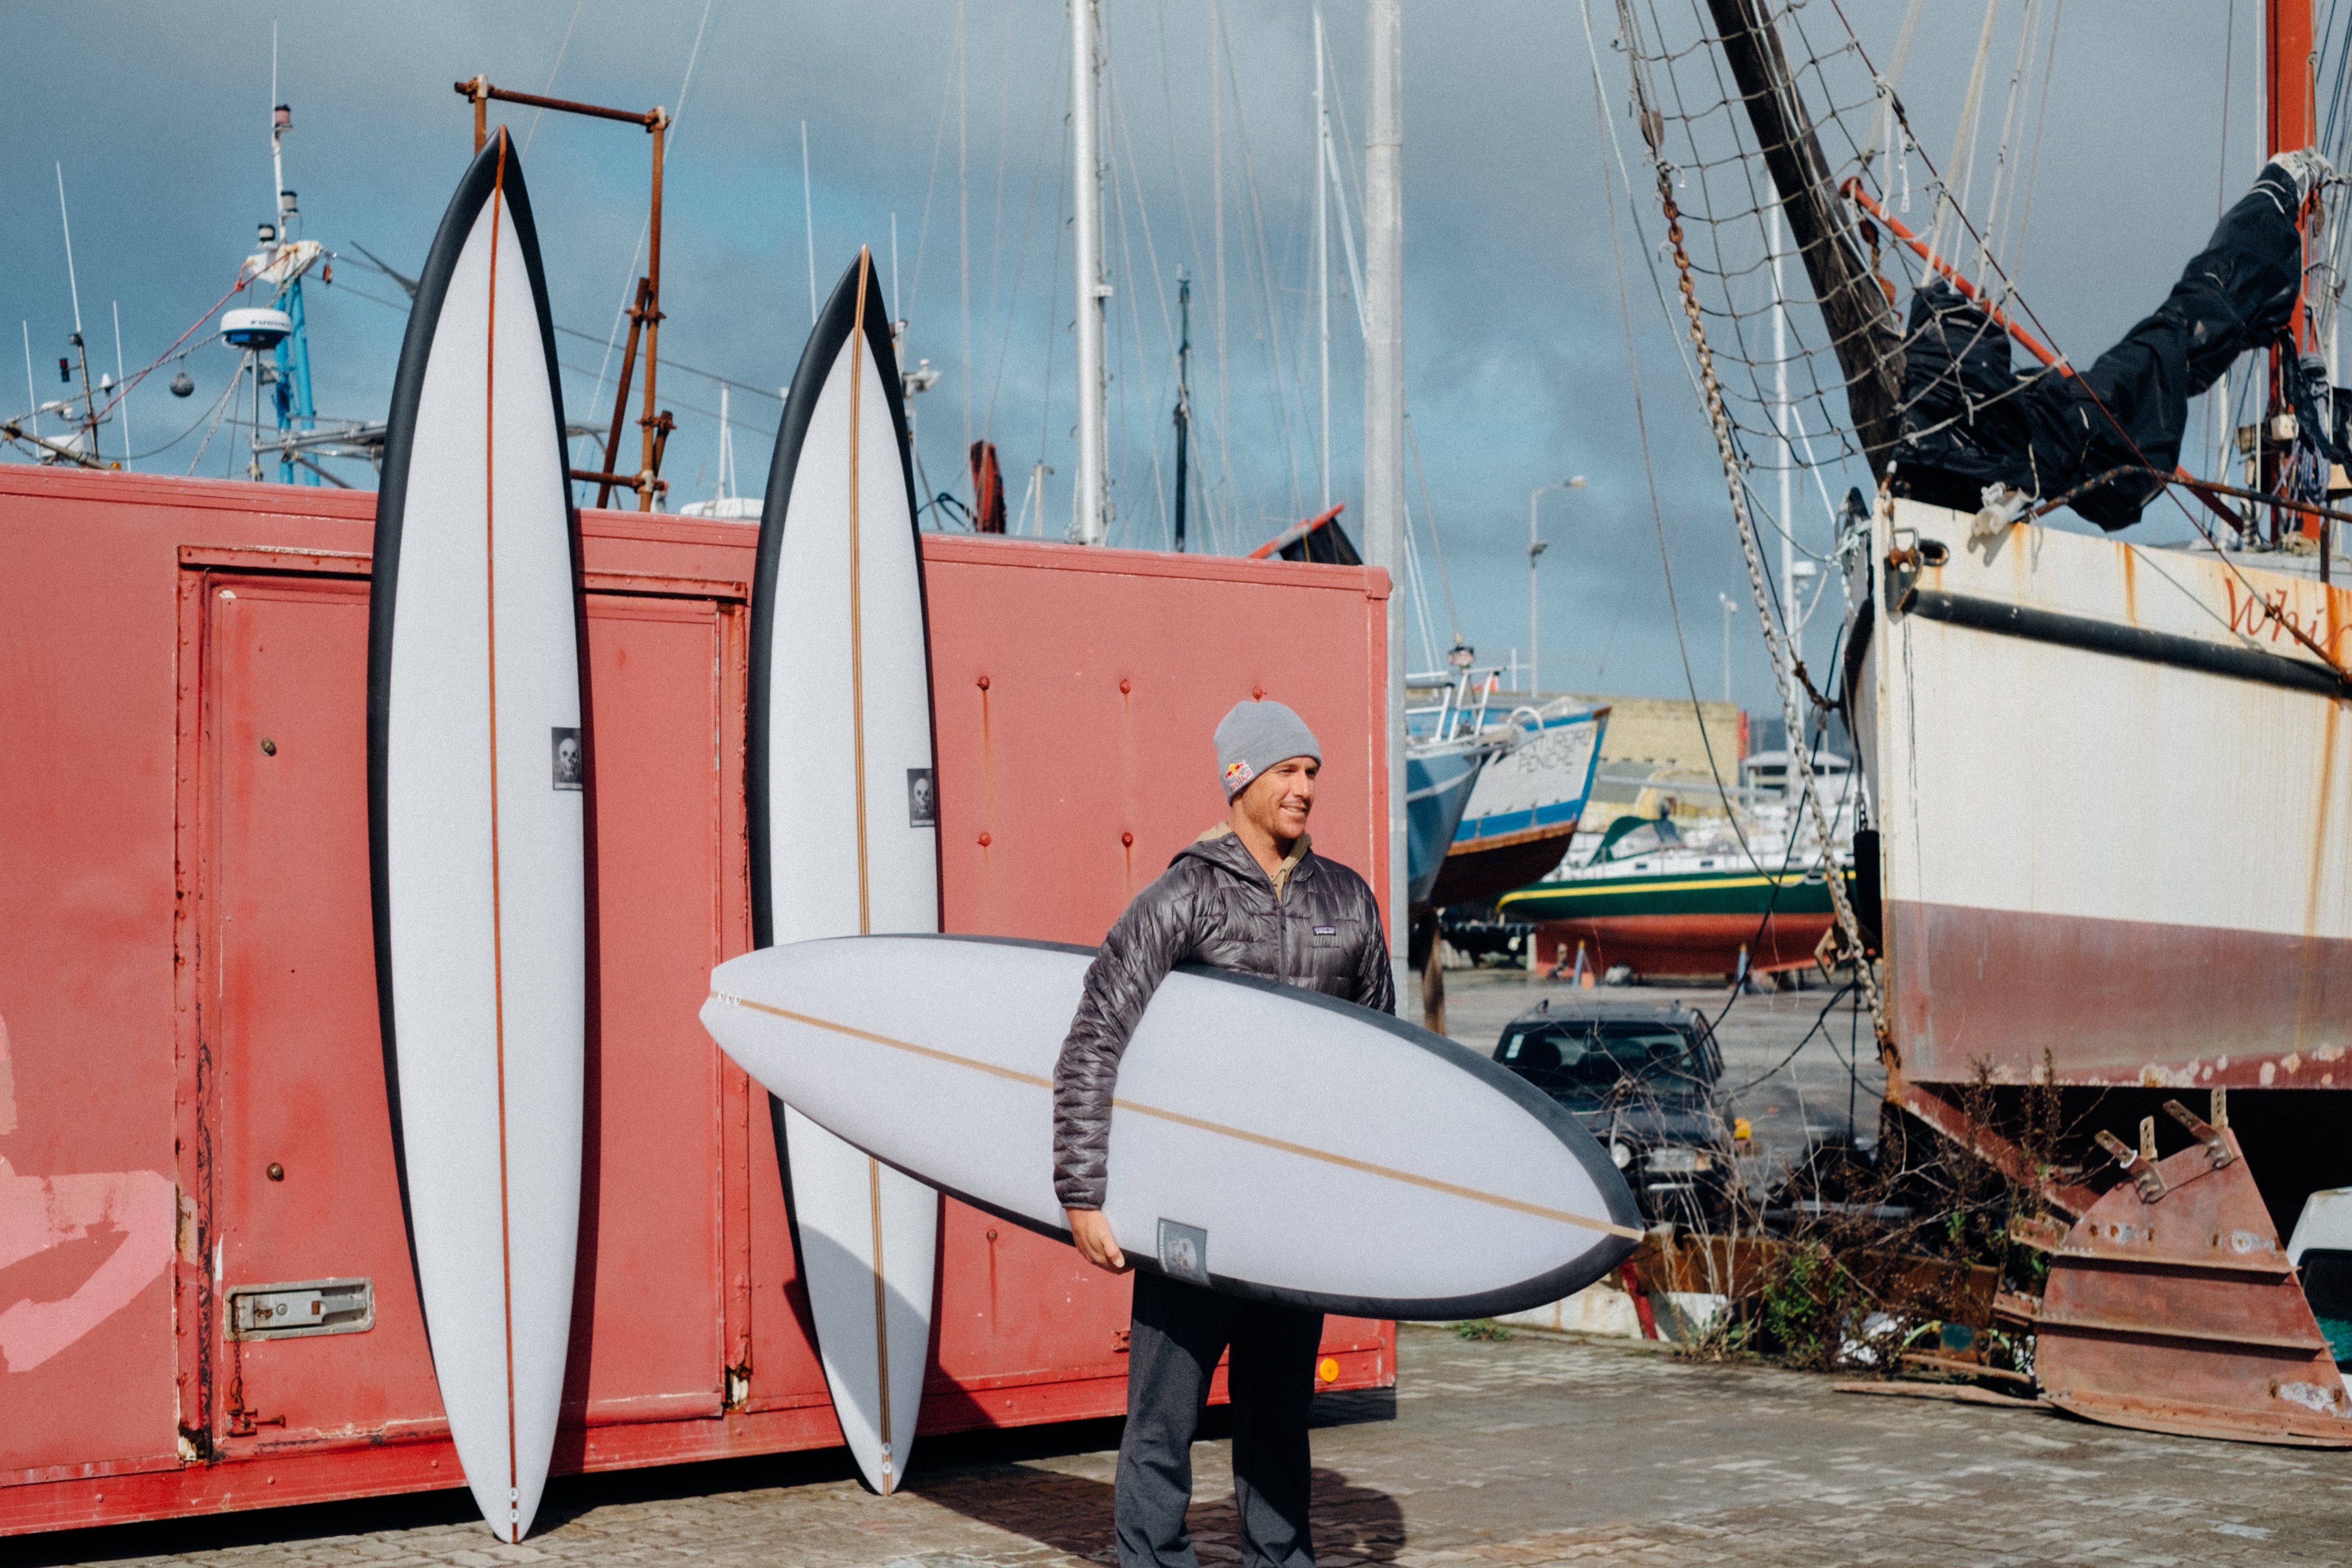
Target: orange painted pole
1290	536
1852	190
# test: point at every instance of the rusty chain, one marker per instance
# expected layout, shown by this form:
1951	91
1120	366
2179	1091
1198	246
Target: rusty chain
1720	420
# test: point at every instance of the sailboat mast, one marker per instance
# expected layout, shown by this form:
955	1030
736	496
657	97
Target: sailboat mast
1864	329
1384	410
1183	401
2288	59
1091	512
1323	260
1789	607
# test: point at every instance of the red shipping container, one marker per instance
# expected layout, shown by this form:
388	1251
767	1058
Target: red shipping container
191	1096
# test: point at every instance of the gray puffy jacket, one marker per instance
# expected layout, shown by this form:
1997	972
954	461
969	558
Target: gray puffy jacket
1318	929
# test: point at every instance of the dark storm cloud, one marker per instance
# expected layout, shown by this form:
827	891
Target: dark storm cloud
1516	343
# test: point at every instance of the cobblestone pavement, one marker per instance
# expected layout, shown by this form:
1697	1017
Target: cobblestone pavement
1537	1450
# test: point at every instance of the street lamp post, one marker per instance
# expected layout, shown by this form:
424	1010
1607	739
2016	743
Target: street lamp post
1729	611
1535	547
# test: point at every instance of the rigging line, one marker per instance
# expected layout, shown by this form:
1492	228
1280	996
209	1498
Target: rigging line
1004	355
2033	163
1115	146
996	304
1054	313
963	211
1329	158
583	369
2000	181
1416	595
1836	996
1782	659
561	50
1429	521
219	408
159	451
1642	424
1114	370
644	229
1217	224
1882	120
1617	149
123	390
930	189
1168	104
1347	133
1143	212
769	392
1265	279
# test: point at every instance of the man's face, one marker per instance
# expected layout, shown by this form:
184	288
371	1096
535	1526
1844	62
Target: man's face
1278	800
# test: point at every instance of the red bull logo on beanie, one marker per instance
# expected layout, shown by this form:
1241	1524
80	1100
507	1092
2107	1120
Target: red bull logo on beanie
1237	774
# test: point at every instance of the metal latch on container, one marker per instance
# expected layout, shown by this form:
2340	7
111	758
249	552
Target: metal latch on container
300	1308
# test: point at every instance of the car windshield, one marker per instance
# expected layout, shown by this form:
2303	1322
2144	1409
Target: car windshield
1593	1061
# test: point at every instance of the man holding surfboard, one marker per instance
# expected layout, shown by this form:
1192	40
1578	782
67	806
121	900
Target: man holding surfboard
1250	895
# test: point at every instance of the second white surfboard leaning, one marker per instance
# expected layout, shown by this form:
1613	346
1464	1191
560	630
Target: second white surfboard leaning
844	825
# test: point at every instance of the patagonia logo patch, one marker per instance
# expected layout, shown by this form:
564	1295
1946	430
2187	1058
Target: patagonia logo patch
1237	774
1326	931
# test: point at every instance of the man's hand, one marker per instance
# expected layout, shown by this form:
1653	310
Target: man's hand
1090	1233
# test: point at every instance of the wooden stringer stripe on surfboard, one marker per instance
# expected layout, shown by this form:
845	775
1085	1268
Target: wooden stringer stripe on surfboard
498	916
865	891
1326	1156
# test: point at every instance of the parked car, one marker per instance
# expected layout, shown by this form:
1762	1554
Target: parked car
1644	1079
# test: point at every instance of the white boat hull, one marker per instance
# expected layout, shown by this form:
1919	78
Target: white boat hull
2129	865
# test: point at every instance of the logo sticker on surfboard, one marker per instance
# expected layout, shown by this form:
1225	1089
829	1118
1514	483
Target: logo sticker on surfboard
922	798
571	765
1185	1251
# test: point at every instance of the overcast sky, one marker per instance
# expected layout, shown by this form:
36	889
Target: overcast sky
1516	342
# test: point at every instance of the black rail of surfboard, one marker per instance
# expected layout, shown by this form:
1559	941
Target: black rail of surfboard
2004	619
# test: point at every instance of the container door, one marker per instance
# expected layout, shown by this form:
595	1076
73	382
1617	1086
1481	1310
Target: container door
314	1333
664	1221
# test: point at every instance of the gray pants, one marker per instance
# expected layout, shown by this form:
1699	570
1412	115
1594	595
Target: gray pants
1180	1330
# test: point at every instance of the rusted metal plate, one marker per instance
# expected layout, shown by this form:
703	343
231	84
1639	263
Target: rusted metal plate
2170	1307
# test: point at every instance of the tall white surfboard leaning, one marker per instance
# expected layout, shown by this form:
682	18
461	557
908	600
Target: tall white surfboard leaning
844	825
1267	1142
477	834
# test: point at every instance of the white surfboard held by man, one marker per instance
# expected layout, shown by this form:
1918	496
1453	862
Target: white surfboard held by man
1251	896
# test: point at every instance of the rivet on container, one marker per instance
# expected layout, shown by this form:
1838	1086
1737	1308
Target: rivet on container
983	683
1257	693
1128	839
1125	686
984	841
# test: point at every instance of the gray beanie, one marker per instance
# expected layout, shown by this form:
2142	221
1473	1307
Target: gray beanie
1257	735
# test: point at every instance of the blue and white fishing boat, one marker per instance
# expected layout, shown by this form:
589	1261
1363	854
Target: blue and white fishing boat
1525	804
